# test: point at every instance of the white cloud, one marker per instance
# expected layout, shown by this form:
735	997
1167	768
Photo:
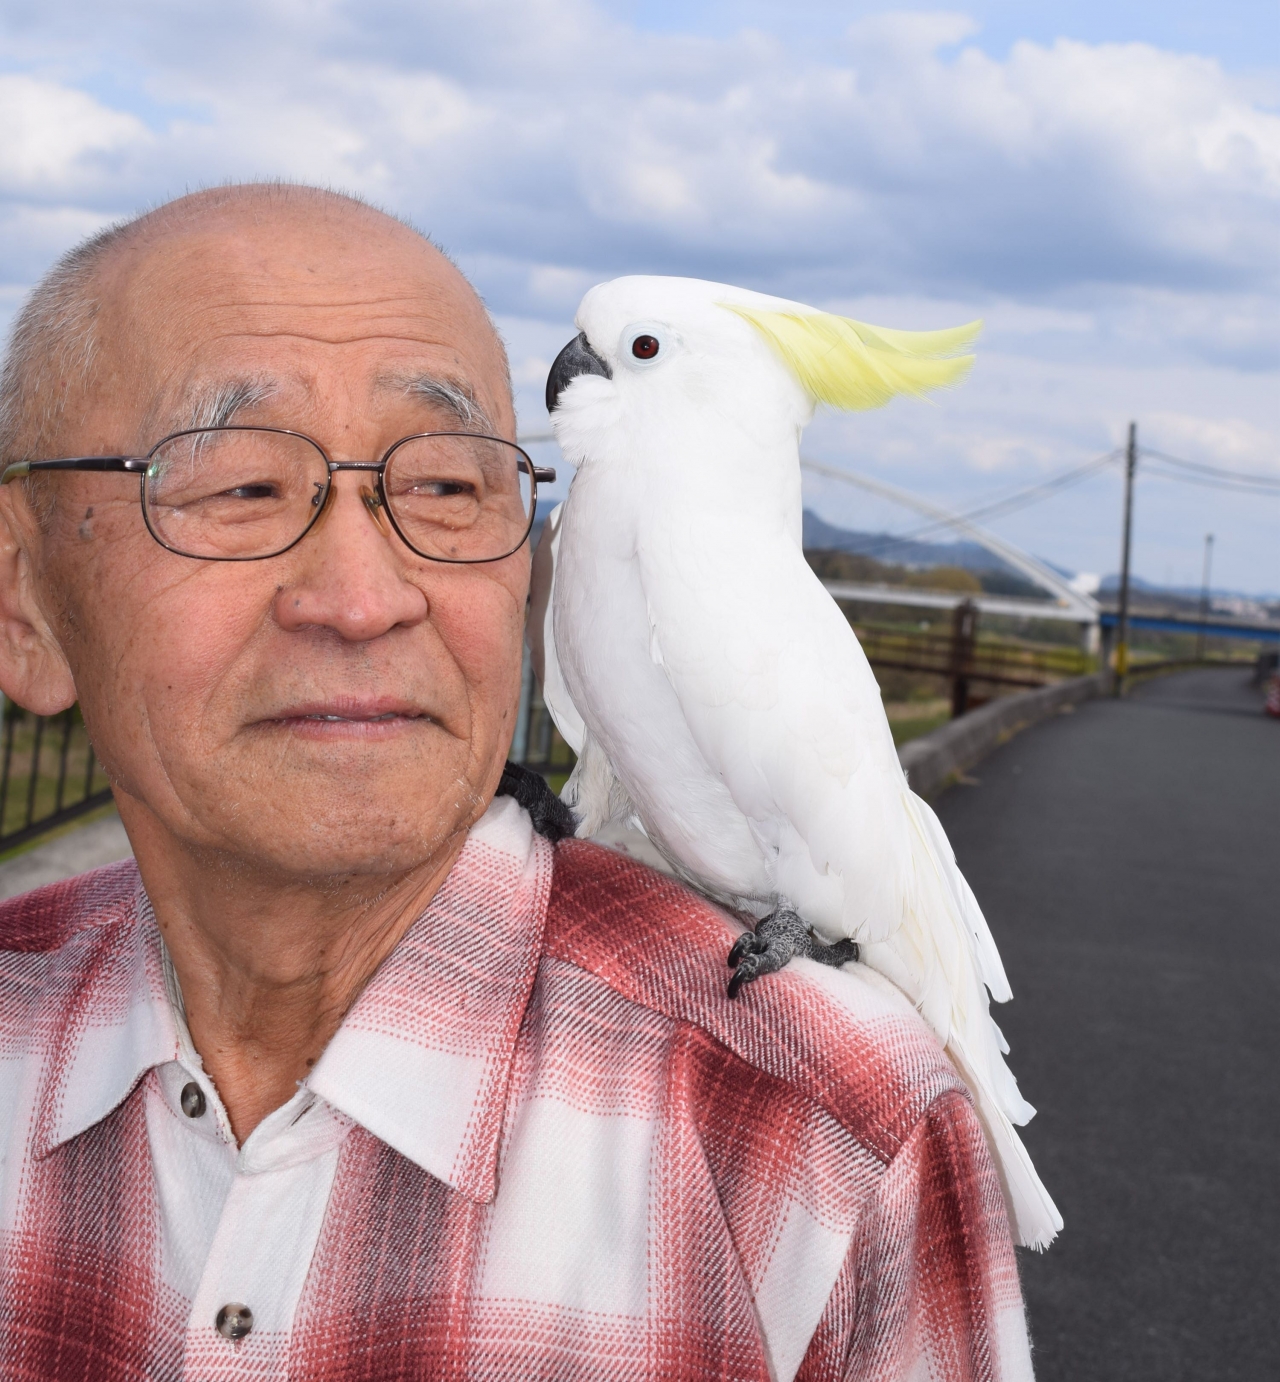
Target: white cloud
1232	442
55	136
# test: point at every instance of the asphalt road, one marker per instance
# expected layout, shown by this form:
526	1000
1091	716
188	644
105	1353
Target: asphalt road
1128	859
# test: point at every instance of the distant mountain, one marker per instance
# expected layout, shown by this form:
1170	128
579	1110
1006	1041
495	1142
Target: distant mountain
824	536
819	535
895	557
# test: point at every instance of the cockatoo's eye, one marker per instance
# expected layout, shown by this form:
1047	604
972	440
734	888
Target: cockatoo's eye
646	343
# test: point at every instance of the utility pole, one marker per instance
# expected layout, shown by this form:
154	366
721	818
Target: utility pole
1204	595
964	636
1122	631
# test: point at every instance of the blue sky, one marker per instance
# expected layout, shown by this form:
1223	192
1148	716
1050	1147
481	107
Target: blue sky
1099	182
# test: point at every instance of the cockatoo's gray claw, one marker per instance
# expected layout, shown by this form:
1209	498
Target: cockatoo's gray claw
777	940
747	944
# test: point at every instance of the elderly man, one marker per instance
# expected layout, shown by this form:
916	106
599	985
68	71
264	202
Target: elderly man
356	1073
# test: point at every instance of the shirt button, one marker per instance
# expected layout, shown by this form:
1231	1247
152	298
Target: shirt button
192	1098
234	1321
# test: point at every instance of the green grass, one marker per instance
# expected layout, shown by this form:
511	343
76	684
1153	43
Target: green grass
906	728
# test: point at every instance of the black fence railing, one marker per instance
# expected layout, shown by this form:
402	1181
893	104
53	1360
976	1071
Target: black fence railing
48	773
537	743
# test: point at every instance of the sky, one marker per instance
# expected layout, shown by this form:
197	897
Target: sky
1098	182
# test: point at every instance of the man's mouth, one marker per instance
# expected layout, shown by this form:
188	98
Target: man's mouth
352	714
357	719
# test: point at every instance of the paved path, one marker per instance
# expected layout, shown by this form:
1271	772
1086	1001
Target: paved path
102	841
1128	859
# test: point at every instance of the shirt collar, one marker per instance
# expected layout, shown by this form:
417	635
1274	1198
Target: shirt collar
422	1060
113	1022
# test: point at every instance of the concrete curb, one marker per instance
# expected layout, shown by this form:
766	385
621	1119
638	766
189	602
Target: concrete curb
934	760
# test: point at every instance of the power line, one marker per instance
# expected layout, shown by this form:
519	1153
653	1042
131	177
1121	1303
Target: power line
1034	493
992	508
1214	471
1230	486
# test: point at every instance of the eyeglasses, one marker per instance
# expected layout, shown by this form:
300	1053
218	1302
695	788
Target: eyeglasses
246	493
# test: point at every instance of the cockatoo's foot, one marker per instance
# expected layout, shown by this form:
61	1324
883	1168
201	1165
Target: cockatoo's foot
550	816
779	938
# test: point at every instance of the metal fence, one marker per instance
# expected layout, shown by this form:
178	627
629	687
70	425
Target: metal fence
537	743
49	773
959	656
946	656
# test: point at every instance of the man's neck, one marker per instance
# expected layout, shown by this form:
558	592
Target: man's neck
270	966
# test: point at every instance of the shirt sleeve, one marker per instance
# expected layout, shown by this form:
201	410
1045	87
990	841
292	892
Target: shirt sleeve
929	1287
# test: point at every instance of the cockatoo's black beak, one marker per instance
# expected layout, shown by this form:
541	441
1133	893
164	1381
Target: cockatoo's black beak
575	359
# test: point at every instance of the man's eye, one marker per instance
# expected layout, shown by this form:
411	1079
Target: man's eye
251	492
441	489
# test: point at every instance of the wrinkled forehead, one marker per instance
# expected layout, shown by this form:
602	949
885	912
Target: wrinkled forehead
411	399
200	325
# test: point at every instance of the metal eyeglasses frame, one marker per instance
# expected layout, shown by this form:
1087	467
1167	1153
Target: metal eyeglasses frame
138	465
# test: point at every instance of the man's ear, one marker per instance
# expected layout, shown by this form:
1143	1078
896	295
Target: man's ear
33	670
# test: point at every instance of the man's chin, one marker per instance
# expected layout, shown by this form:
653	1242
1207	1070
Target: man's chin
346	846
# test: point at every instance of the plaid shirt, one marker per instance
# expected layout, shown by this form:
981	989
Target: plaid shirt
542	1145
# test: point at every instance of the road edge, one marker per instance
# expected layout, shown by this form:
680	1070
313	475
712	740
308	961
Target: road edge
935	760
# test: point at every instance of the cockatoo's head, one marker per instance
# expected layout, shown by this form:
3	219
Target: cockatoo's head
662	361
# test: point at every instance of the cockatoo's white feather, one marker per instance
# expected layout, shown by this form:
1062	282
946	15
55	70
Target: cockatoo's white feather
542	644
713	690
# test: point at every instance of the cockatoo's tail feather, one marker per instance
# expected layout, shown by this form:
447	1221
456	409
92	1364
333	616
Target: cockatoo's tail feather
851	365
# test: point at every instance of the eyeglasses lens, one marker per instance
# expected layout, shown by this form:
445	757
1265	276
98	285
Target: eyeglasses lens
228	494
459	498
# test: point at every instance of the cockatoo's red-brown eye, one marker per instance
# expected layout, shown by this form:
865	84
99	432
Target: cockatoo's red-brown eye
644	347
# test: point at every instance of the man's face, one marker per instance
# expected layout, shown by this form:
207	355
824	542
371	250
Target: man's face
344	707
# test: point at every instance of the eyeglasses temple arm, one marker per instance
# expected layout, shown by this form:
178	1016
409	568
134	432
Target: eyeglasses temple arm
544	474
129	464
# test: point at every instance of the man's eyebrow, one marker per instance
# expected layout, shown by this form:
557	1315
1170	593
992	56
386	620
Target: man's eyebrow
217	405
454	395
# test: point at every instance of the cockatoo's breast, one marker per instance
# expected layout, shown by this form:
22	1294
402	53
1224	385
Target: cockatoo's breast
611	660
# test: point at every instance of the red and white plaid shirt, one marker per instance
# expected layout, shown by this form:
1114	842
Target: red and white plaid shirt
543	1145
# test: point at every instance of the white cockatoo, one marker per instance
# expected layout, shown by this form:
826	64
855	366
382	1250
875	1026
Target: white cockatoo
714	693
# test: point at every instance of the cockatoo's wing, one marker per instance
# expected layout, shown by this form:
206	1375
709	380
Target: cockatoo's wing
540	636
593	790
782	702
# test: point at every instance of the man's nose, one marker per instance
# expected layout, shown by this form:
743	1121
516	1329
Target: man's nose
348	573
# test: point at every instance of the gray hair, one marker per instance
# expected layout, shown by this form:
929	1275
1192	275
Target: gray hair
52	340
51	352
453	396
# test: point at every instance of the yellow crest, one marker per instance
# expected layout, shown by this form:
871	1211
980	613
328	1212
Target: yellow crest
849	364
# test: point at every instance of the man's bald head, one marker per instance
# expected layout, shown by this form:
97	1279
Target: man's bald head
67	341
